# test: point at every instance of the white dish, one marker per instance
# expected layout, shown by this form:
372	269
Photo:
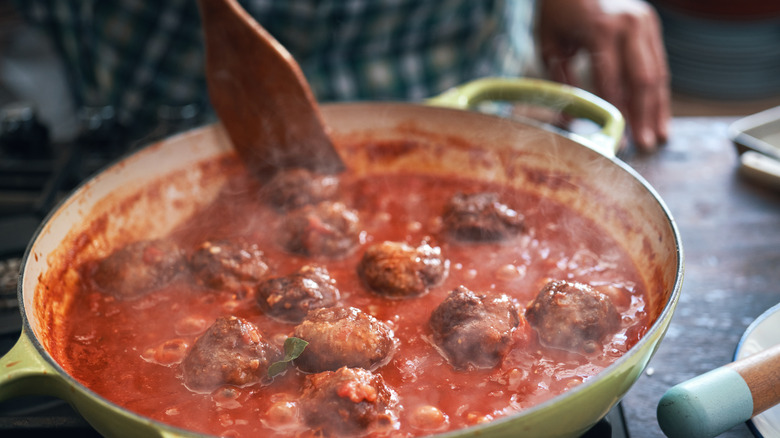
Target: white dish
757	138
760	132
763	333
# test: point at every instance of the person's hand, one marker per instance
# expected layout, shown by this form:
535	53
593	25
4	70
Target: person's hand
627	57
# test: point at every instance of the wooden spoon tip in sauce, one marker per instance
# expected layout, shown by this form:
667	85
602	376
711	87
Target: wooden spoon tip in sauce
261	96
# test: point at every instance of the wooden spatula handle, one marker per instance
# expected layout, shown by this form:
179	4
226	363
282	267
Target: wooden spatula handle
761	373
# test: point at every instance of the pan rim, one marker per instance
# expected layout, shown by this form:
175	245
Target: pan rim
653	335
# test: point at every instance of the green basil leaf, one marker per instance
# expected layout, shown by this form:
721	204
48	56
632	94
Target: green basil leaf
293	347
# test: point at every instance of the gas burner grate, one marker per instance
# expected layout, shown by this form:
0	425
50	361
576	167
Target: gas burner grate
57	418
9	275
42	417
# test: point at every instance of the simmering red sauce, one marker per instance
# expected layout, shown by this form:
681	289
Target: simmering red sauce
130	350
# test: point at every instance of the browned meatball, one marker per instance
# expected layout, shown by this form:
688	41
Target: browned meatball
228	265
139	268
290	298
572	316
398	270
480	217
328	229
231	352
474	329
343	337
349	402
294	188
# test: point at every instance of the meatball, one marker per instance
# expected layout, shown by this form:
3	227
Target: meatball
572	316
294	188
328	229
398	270
474	330
480	217
139	268
289	299
231	352
228	265
343	337
349	402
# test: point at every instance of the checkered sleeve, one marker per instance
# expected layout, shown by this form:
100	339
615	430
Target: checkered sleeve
137	55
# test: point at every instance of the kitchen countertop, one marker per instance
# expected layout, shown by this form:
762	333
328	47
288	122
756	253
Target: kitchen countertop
730	230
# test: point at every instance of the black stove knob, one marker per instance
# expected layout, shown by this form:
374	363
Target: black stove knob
22	135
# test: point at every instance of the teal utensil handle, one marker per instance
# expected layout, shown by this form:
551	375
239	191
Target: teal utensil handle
705	406
714	402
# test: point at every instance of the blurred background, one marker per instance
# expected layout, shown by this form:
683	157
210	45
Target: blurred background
724	58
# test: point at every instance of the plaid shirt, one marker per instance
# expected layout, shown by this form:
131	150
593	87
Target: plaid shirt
137	55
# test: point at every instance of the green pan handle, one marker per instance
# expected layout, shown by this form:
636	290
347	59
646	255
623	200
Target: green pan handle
570	100
23	371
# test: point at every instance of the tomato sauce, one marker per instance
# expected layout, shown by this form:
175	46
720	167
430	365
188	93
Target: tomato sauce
129	351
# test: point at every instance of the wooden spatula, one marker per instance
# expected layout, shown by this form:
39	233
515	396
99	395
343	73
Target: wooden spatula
261	96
